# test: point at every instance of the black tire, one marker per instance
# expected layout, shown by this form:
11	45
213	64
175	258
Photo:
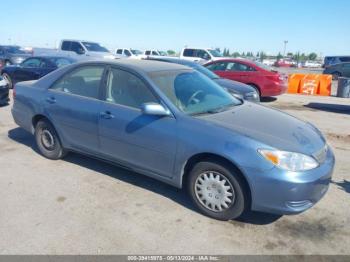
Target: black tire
240	203
336	75
48	141
8	80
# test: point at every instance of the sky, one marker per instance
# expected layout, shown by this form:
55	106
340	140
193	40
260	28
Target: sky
320	26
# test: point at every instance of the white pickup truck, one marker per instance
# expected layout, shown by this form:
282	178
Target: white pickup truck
86	48
78	49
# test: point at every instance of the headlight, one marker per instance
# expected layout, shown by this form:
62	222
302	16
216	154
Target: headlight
289	160
251	95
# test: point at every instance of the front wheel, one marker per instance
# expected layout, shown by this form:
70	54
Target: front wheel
217	190
8	80
48	141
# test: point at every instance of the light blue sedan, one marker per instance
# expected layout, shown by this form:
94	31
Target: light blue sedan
174	124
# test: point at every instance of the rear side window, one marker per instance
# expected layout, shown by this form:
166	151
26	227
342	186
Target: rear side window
32	62
189	53
84	81
219	66
119	51
154	53
126	89
66	45
239	67
127	52
147	52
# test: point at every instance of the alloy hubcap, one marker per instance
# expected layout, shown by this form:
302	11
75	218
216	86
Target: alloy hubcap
47	139
214	191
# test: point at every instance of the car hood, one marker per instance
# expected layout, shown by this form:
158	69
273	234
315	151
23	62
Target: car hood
234	86
271	127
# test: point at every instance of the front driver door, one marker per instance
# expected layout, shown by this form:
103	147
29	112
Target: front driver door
73	105
126	135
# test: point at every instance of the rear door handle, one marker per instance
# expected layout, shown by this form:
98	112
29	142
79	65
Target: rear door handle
51	100
106	115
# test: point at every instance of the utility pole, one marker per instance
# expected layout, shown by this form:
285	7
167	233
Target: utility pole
285	47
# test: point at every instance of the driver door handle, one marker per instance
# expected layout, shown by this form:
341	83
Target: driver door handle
106	115
51	100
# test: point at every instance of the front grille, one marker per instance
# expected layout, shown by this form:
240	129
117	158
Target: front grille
321	155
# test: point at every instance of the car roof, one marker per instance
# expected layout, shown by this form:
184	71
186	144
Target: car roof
146	66
173	60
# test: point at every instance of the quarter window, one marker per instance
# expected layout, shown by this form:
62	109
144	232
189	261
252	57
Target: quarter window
126	89
84	81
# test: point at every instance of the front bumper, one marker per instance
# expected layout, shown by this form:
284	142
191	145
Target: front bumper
283	192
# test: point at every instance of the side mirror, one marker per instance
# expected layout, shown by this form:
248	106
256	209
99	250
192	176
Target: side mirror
154	109
81	51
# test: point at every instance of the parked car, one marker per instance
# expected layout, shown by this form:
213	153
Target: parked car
285	63
332	60
154	52
12	55
237	89
266	81
4	92
33	68
86	48
200	55
128	52
174	124
338	70
312	64
269	62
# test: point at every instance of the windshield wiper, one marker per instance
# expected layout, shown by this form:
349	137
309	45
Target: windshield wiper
215	110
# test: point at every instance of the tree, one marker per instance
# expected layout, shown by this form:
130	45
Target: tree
236	54
262	56
312	56
171	52
279	56
290	54
257	54
243	54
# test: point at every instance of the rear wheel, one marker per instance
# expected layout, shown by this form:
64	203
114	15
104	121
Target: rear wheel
8	80
217	190
48	141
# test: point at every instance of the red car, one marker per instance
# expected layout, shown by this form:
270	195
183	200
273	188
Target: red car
265	80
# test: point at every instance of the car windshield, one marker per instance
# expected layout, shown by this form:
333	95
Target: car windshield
162	53
204	71
215	53
14	50
136	52
95	47
192	92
